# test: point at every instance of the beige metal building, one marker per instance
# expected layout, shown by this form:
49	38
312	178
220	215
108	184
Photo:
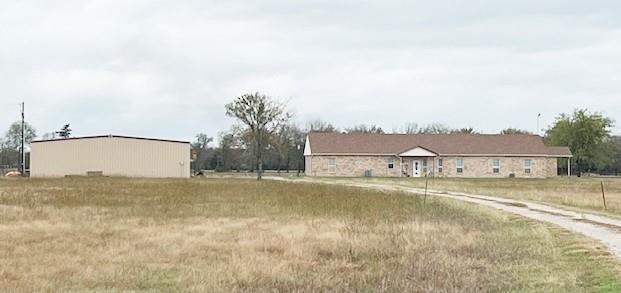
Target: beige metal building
110	155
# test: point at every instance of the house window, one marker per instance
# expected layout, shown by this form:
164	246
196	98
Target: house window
459	164
391	163
440	165
424	166
495	166
332	165
528	169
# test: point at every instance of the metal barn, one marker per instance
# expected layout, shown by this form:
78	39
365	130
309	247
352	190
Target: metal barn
110	155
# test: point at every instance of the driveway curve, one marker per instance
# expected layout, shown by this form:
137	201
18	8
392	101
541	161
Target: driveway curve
603	229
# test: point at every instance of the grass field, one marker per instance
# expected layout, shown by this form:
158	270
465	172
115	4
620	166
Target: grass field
222	235
578	193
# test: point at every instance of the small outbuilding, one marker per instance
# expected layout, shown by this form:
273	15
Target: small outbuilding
110	155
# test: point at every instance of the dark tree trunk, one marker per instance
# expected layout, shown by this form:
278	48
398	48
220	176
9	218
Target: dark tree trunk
259	155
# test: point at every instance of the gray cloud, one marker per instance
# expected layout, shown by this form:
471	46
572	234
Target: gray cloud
166	68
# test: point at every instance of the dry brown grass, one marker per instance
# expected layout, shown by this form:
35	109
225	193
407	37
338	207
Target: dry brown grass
221	235
577	193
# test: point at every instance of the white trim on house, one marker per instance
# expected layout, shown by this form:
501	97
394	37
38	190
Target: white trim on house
307	147
418	152
528	166
416	172
459	166
496	167
332	165
390	161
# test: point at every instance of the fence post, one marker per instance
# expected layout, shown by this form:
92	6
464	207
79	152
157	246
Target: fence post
603	195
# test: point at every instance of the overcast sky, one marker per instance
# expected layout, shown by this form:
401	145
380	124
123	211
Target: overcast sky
166	68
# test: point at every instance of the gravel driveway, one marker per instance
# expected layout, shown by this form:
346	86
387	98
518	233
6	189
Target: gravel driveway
604	229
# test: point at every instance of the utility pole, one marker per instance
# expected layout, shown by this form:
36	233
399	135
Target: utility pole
22	151
538	117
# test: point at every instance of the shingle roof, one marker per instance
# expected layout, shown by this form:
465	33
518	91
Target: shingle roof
443	144
559	151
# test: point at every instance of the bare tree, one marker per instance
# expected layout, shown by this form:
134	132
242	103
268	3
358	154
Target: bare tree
202	141
13	137
200	146
229	148
410	128
407	128
321	126
49	135
11	144
363	128
262	116
281	140
465	130
435	128
511	130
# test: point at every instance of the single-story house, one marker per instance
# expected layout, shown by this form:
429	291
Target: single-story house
110	155
445	155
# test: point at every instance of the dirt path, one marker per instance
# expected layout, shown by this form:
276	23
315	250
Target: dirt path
604	229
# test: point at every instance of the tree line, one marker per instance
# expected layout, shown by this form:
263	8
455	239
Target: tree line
266	137
10	144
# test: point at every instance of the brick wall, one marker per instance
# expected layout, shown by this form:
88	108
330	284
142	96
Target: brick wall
355	166
482	167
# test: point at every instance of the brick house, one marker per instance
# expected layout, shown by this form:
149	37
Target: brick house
444	155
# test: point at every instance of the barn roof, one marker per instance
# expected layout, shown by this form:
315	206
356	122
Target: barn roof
108	136
442	144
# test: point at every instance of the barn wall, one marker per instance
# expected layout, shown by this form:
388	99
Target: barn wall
114	156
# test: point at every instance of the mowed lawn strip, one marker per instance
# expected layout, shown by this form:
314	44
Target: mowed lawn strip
206	235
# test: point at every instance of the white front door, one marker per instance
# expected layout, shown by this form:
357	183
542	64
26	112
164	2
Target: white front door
416	166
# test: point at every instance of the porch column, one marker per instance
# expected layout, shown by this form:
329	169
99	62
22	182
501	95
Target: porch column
569	167
401	167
